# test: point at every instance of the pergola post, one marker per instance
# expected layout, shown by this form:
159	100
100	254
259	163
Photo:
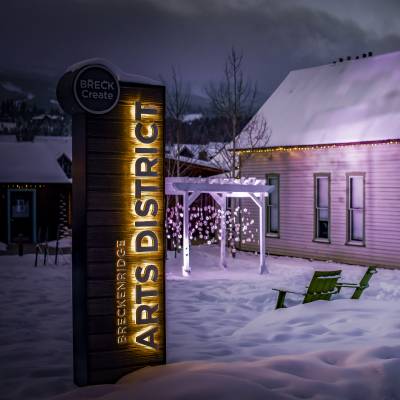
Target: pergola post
221	201
187	202
260	201
263	265
222	258
186	266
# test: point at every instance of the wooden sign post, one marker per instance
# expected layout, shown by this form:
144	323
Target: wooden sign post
118	221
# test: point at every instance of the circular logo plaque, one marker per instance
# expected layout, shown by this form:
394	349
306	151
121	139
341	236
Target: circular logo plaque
96	89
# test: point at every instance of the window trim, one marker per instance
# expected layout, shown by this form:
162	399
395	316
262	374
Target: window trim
315	238
349	242
273	234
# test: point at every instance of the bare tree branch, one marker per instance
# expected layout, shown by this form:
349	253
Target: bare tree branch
233	99
177	106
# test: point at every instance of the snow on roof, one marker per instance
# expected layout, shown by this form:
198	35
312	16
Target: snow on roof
249	184
34	162
350	101
121	75
212	150
41	117
192	117
194	161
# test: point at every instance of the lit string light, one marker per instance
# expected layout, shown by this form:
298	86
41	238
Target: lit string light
318	147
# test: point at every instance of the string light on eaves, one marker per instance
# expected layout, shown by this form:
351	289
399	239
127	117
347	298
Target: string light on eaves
318	147
23	186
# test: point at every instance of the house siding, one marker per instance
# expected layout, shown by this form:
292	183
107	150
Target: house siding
381	166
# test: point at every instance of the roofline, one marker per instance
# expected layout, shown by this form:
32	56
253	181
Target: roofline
34	182
353	59
316	146
184	160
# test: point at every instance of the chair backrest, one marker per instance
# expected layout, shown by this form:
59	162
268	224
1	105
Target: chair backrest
322	286
364	283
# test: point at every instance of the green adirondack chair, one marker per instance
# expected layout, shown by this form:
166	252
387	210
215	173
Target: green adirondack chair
322	286
359	287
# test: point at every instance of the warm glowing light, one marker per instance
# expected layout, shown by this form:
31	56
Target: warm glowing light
143	248
317	147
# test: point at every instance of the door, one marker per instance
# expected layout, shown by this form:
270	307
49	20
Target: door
22	215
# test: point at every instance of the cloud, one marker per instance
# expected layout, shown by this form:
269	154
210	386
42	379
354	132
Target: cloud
148	36
11	87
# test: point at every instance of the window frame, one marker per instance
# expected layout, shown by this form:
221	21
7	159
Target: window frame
268	207
349	241
315	238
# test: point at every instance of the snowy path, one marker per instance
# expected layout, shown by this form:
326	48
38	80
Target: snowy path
222	325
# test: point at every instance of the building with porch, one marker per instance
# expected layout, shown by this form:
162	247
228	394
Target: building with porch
35	188
334	158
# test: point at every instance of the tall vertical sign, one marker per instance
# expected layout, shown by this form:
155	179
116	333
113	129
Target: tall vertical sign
118	222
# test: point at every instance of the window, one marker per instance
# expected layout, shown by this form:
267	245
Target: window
273	206
355	208
322	207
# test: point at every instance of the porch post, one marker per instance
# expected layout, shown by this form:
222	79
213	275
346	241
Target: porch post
186	261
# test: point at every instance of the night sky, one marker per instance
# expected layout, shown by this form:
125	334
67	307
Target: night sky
148	37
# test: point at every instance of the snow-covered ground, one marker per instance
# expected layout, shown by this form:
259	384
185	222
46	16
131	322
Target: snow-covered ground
225	340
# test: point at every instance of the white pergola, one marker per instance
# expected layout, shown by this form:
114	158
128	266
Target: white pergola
219	189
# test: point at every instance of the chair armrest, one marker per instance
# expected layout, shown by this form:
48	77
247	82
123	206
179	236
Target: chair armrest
288	291
344	284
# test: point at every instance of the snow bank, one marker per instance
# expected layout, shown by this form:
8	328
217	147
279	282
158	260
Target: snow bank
63	243
35	329
330	375
224	338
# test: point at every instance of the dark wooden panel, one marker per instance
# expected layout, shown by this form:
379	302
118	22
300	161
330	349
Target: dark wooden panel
107	130
110	375
97	144
101	270
101	324
101	306
104	200
106	218
100	288
109	165
105	236
101	254
122	358
109	183
79	255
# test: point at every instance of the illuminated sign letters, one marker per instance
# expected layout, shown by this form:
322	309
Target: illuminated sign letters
118	222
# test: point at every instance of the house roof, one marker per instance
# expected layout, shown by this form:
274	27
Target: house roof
212	149
34	162
345	102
